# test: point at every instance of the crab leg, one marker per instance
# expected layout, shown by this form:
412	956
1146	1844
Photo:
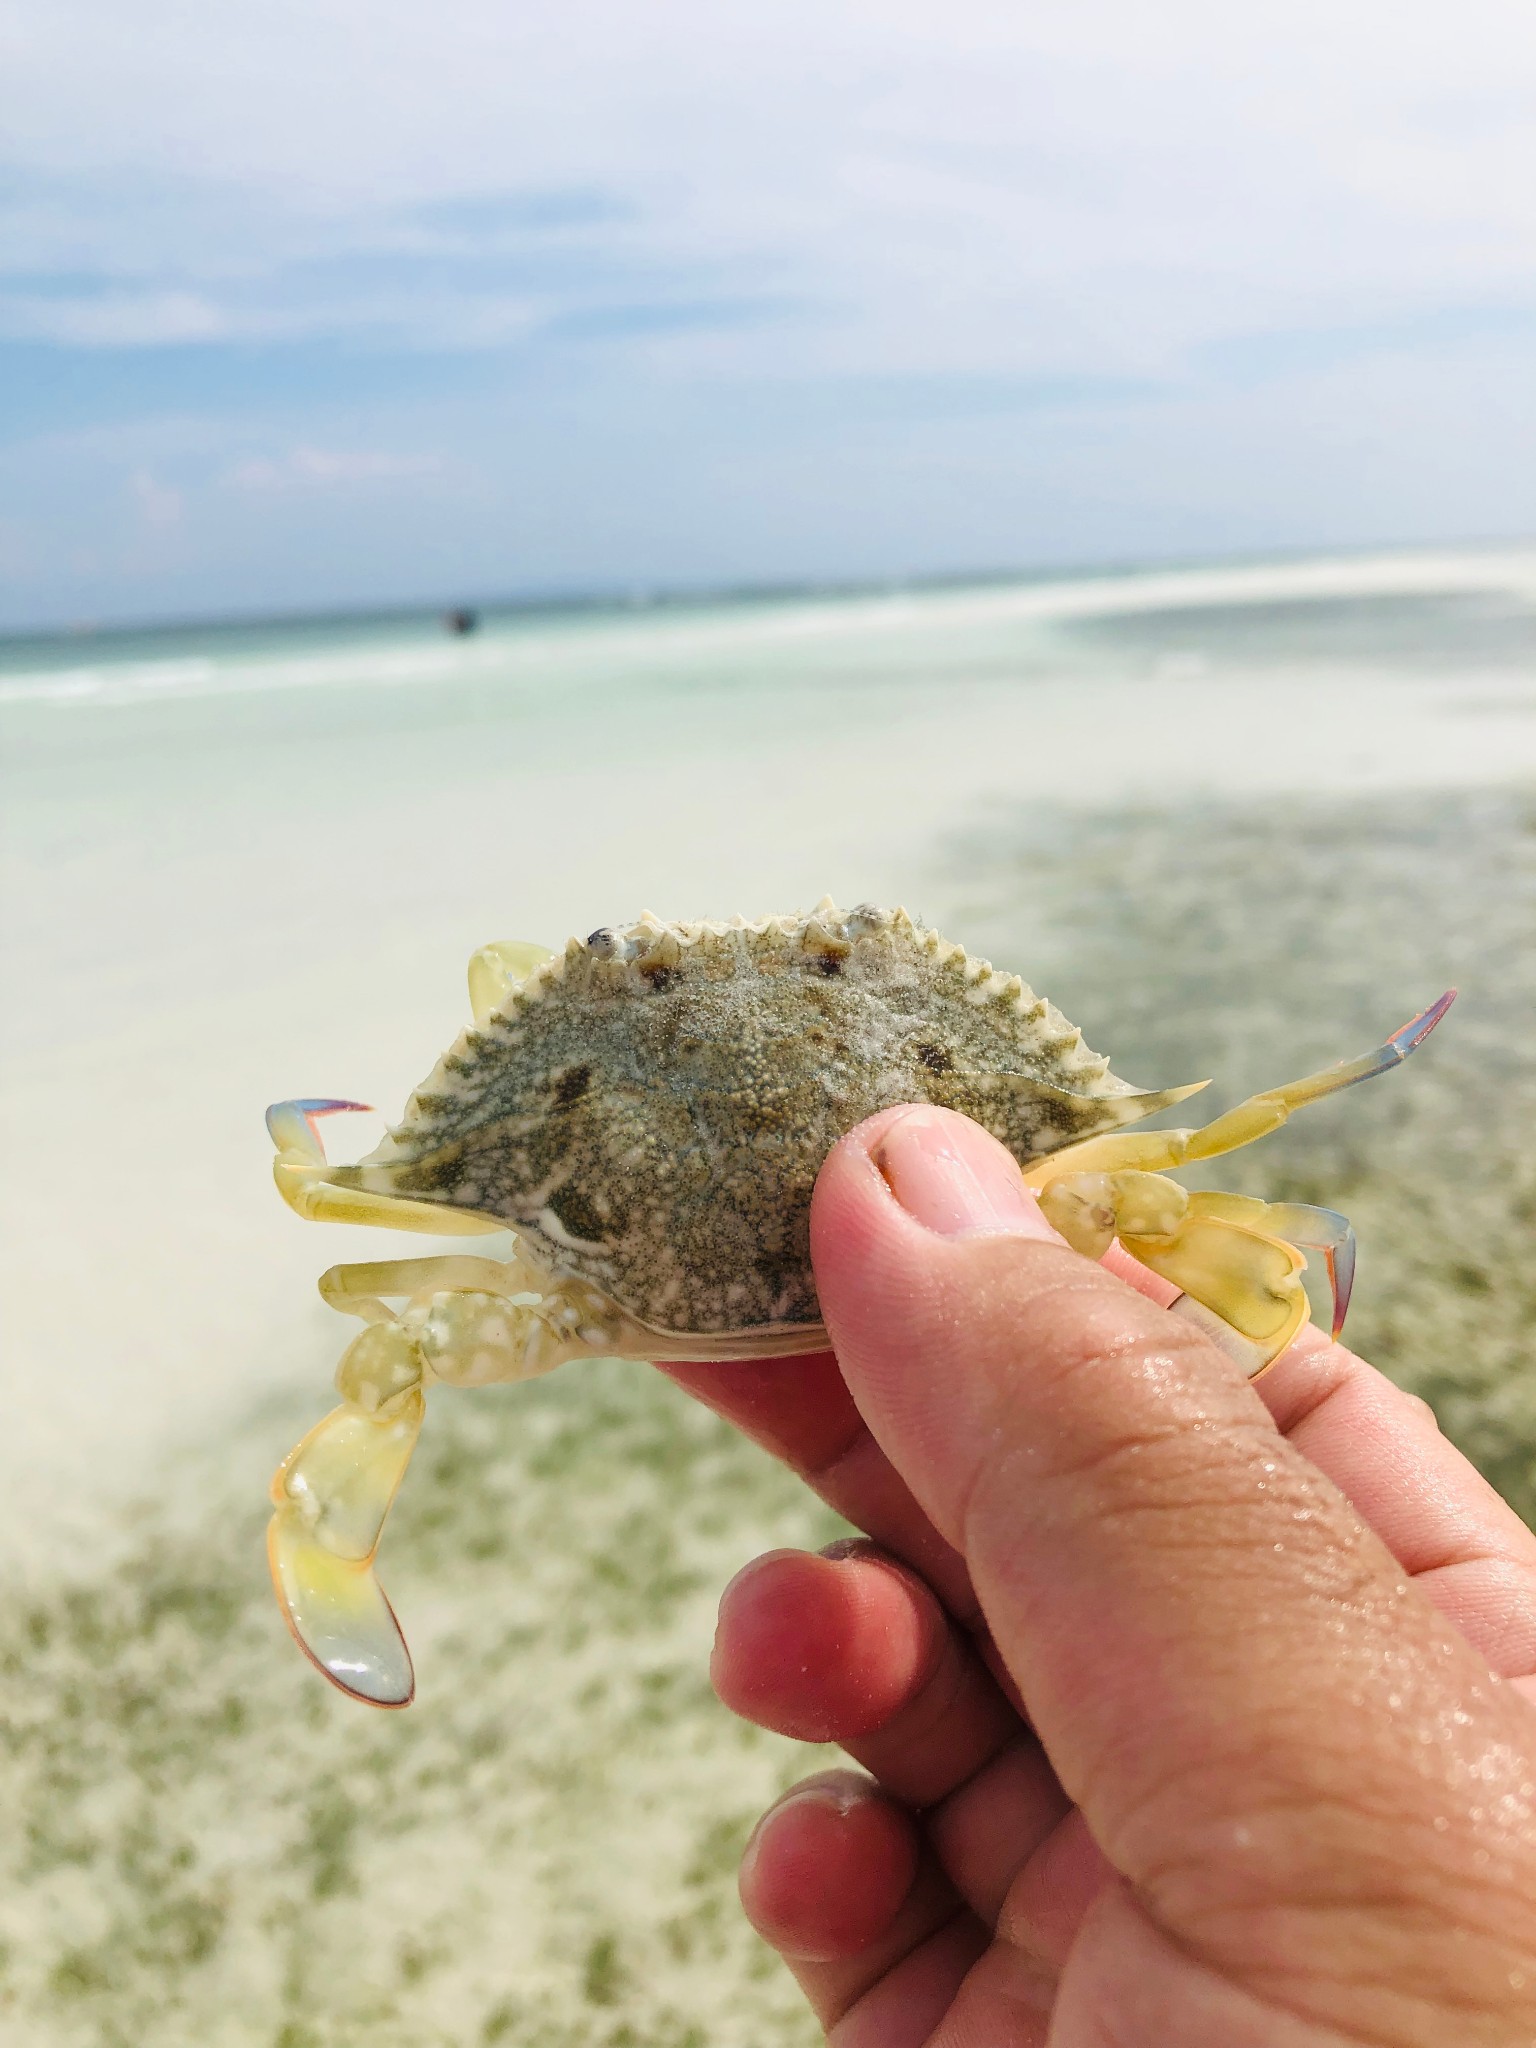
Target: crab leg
497	969
1300	1224
359	1289
1248	1279
1157	1151
1325	1231
331	1496
1261	1114
1235	1256
301	1169
334	1490
559	1319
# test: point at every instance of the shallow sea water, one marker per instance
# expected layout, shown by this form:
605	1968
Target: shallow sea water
1234	822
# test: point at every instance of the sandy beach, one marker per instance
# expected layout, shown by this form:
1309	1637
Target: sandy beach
1236	822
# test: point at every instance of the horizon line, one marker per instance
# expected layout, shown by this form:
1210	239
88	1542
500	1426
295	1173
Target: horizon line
600	598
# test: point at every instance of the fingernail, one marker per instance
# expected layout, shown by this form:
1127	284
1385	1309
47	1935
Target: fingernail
951	1177
836	1791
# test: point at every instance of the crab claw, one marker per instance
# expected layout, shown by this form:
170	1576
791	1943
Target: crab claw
1417	1029
305	1180
332	1494
1391	1054
291	1125
1326	1231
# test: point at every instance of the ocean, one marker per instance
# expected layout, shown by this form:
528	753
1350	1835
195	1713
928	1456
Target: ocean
1234	820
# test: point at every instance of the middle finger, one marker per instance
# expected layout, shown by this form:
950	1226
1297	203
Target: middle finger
850	1648
800	1409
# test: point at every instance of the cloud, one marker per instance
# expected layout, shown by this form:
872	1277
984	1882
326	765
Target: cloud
977	189
113	319
320	468
159	505
491	272
685	290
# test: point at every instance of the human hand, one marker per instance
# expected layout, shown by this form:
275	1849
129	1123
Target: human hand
1198	1714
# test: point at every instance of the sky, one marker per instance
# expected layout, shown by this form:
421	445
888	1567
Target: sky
315	303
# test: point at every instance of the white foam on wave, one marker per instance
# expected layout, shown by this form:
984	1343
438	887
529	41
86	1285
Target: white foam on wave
569	645
135	682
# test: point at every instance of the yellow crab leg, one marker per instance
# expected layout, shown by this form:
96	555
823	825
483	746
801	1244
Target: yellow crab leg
497	969
1296	1223
1324	1231
1223	1250
1239	1258
1250	1280
1157	1151
358	1289
331	1495
301	1169
1261	1114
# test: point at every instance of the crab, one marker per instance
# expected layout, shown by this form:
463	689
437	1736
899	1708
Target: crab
646	1113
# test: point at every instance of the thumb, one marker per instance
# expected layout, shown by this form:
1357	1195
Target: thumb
1312	1785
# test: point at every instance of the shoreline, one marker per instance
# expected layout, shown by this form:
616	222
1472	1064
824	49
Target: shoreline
187	655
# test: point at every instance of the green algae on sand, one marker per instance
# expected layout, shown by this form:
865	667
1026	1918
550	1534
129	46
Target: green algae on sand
208	1849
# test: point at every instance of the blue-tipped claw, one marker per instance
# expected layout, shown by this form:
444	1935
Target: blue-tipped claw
1325	1231
1339	1259
291	1125
1417	1029
1394	1052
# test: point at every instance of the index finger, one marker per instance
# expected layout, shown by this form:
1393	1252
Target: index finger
1439	1517
1382	1448
800	1409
